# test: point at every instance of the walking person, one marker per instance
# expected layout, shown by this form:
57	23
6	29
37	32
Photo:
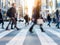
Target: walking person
35	17
26	19
1	20
58	24
11	13
57	18
49	19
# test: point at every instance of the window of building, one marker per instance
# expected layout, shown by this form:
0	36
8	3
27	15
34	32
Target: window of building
58	4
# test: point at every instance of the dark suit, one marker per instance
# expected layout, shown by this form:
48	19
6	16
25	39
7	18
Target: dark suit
12	17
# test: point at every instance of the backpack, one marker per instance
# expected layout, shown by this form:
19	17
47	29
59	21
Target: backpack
9	12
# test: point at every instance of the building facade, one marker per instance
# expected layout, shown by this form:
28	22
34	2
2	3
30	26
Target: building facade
50	5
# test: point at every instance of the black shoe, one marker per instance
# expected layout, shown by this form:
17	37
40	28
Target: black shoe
43	31
30	30
12	28
56	25
49	25
17	28
7	29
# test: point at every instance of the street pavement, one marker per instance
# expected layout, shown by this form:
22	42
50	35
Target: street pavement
51	36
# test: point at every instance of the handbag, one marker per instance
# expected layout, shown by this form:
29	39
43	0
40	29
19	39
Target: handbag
39	21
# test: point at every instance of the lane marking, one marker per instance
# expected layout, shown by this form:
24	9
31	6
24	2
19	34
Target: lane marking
44	38
5	33
20	37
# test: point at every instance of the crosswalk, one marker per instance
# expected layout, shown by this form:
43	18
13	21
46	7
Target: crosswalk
4	33
50	38
45	39
19	38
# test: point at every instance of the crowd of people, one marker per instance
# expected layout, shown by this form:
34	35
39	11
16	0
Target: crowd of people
36	19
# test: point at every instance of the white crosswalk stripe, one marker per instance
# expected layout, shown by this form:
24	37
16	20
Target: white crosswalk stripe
5	33
19	38
1	29
45	39
52	31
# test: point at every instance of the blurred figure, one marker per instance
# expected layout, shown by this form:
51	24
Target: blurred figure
54	19
1	20
11	13
58	24
57	13
26	19
35	17
49	19
57	18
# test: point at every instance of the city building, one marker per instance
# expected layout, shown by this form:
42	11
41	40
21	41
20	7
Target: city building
46	5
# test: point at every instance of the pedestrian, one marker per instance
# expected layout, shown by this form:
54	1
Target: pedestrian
58	24
26	19
49	19
57	13
11	13
57	18
35	17
1	20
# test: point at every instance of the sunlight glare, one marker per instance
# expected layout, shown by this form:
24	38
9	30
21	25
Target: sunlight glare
30	4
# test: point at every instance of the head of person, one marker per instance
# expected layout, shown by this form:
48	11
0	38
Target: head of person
14	5
57	10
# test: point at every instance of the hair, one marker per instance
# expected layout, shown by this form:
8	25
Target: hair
13	4
48	14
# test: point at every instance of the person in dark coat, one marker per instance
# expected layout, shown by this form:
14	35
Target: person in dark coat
26	19
49	19
58	24
57	13
36	16
1	20
57	18
12	16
